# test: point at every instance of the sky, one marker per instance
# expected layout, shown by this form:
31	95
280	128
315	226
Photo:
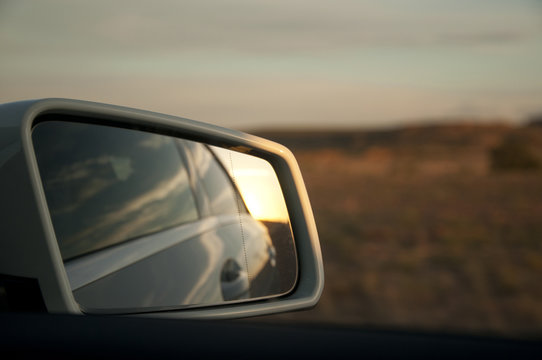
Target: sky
253	64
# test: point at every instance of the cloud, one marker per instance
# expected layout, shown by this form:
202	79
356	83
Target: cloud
495	37
253	26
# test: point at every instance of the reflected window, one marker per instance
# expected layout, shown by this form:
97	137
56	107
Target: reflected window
133	184
217	184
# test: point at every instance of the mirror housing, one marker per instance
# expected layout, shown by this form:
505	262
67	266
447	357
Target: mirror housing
29	248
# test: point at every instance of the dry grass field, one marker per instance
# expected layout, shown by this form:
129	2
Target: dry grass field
427	228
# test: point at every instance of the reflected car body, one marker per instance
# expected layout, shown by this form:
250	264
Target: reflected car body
206	279
132	227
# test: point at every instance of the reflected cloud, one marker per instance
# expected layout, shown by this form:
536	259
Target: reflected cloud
131	215
78	170
95	176
154	142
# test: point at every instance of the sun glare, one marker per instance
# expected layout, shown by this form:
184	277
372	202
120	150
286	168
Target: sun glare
257	183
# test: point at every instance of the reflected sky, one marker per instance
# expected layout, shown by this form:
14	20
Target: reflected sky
258	184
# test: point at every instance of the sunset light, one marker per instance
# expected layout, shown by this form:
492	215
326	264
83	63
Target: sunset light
258	184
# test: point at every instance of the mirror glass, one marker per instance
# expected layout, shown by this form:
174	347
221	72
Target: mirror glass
148	222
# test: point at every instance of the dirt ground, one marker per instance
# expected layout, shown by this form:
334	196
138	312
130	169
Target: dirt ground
421	230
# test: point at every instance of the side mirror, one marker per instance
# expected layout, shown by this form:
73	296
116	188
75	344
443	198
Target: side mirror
146	213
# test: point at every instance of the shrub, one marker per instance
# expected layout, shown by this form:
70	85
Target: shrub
513	155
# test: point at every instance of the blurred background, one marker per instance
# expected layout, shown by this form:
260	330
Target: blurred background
417	126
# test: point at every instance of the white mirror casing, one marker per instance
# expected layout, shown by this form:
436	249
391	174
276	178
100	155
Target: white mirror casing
39	236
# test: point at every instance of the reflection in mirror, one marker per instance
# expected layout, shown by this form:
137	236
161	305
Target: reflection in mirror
149	222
